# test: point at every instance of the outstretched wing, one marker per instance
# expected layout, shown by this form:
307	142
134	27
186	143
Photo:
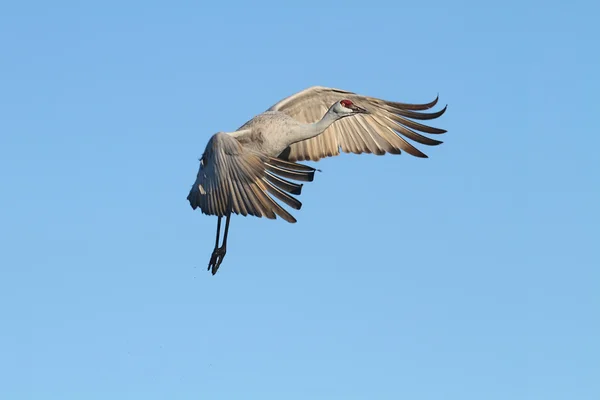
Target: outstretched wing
234	179
379	132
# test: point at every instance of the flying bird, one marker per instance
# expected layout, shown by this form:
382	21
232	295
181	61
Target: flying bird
246	171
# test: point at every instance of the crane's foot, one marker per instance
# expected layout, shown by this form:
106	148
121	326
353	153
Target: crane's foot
216	259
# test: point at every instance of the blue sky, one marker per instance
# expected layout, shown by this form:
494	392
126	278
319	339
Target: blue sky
469	275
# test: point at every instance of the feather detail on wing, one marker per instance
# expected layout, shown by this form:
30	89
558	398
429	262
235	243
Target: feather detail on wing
235	179
381	131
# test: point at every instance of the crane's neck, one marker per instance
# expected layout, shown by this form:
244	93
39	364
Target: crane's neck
307	131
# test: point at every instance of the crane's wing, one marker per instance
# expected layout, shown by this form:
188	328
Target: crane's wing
378	132
234	179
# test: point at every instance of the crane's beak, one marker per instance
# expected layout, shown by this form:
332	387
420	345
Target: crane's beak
359	110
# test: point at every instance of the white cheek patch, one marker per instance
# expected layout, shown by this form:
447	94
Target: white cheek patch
344	109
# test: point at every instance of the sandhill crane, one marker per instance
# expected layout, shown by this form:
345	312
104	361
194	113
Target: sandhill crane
240	172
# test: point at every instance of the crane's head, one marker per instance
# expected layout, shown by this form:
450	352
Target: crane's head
347	107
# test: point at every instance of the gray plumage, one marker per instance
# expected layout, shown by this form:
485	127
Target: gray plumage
246	171
239	179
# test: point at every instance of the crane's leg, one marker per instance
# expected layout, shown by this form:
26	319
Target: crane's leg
219	252
218	232
224	246
213	257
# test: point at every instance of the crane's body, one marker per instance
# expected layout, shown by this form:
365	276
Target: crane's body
270	132
240	172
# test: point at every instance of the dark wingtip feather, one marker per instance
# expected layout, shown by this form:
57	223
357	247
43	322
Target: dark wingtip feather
421	115
434	102
282	196
291	165
410	106
290	174
290	187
